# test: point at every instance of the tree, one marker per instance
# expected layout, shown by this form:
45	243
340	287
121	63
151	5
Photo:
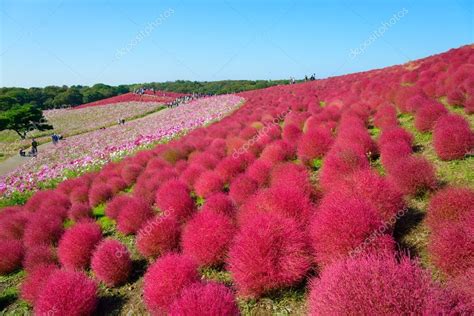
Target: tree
23	119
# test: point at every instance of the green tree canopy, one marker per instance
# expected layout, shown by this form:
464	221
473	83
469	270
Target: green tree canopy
23	119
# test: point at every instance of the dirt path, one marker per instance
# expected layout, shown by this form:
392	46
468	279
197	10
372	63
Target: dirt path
14	162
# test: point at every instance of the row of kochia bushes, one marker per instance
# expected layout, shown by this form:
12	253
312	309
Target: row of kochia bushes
265	217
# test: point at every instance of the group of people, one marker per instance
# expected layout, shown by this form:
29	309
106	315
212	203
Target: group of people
312	78
121	121
186	99
33	152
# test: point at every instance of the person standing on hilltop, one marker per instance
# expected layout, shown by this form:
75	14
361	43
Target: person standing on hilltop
34	147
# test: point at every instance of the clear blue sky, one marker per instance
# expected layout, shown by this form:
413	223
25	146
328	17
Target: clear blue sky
112	41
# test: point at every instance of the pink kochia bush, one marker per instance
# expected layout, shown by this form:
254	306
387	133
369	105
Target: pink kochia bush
373	285
158	236
315	143
174	197
205	299
452	137
111	262
413	175
451	246
11	255
427	115
77	244
268	253
451	204
346	225
133	215
12	223
219	203
241	188
67	293
165	279
42	230
209	182
206	237
34	282
37	256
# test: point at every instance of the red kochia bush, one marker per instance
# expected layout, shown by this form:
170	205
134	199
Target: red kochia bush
133	215
67	293
165	279
158	236
205	299
392	152
37	256
269	252
452	204
11	256
77	244
174	197
427	116
206	237
99	193
35	281
209	182
130	173
111	262
241	188
452	246
219	203
12	224
42	230
383	195
79	211
452	137
413	175
344	225
114	207
259	171
395	134
372	285
315	143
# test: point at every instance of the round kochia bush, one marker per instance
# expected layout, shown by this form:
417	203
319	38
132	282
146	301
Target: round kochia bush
42	229
174	197
67	293
133	215
11	255
452	204
77	244
35	281
208	183
37	256
165	279
452	137
347	225
219	203
111	262
206	237
413	175
199	299
372	285
158	236
269	252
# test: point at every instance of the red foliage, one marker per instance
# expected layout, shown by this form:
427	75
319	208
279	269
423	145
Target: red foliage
413	175
35	281
383	195
42	230
451	204
393	135
13	223
291	175
201	299
219	203
114	206
315	143
259	171
208	183
372	285
37	256
133	215
67	293
241	188
174	197
111	262
158	236
291	133
206	237
77	244
165	279
79	211
393	152
452	246
346	225
427	115
452	137
191	174
11	256
99	193
269	252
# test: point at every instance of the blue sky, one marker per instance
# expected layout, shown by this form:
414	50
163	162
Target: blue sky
115	41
